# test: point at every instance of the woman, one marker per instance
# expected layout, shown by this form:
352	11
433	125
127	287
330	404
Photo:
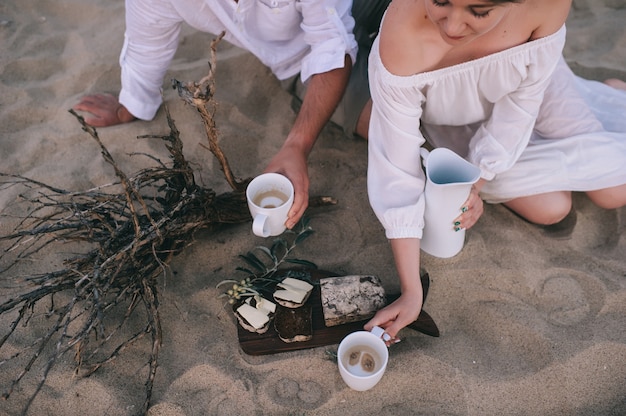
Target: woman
487	80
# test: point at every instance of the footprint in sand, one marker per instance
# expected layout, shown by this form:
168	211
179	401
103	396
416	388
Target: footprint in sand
205	390
569	297
290	388
307	392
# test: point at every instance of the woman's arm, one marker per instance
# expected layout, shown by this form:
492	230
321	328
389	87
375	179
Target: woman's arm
407	307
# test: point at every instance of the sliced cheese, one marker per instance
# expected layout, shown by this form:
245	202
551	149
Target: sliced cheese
290	295
291	283
293	290
266	306
263	304
254	316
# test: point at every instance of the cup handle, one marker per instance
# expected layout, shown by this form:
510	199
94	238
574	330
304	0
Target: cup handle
380	333
258	226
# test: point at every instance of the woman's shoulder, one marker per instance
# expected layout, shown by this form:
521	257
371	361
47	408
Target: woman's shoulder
548	17
408	43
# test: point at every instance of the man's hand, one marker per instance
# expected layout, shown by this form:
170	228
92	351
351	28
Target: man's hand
105	110
292	162
322	96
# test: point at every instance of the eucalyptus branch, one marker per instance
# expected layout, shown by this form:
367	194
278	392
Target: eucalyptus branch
263	277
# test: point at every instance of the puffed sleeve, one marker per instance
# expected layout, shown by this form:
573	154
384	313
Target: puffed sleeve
150	42
328	26
499	142
395	177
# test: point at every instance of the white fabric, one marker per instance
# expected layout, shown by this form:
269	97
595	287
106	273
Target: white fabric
289	36
520	115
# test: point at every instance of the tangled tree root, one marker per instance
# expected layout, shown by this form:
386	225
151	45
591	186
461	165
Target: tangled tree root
130	230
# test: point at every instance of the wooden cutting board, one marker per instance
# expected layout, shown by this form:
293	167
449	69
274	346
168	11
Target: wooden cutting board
269	342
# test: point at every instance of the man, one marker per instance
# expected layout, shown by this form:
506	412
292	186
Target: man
309	45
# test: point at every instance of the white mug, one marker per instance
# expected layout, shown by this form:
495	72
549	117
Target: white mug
270	197
362	358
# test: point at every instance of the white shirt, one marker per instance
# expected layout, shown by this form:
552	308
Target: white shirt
520	115
289	36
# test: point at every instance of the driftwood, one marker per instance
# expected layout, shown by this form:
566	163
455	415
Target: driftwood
130	231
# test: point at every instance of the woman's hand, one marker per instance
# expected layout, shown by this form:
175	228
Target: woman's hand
392	318
472	209
106	110
292	162
395	316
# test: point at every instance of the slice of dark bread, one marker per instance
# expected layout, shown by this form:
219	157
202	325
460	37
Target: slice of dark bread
294	324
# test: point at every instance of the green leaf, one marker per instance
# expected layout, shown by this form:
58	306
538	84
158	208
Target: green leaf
279	244
228	281
304	222
304	234
253	261
269	253
243	269
301	262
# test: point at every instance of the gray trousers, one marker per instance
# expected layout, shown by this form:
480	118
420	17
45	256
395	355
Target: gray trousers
367	15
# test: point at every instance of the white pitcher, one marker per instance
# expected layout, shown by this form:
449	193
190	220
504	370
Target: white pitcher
449	179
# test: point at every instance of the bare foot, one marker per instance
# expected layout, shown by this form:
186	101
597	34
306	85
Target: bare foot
105	110
616	83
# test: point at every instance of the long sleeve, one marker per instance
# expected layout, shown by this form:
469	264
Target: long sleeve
289	36
150	42
395	176
501	139
328	27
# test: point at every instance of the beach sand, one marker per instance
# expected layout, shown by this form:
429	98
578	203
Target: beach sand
531	323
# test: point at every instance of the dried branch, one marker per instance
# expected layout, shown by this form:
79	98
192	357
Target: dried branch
131	229
200	95
128	231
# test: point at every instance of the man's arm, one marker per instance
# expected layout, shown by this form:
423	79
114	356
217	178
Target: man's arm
323	94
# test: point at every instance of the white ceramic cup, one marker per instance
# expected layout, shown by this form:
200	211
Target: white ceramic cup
354	355
270	197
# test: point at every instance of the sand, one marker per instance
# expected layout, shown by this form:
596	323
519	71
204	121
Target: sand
532	322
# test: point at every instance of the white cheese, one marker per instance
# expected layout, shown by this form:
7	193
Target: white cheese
290	283
263	304
254	316
290	295
266	306
293	290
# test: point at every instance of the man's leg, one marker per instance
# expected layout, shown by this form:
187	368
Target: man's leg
353	111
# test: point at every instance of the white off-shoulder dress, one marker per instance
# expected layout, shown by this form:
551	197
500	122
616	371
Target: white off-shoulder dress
520	115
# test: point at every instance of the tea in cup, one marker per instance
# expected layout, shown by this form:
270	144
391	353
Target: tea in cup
270	197
362	358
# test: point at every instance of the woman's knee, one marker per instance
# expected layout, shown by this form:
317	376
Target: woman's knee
609	198
544	209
